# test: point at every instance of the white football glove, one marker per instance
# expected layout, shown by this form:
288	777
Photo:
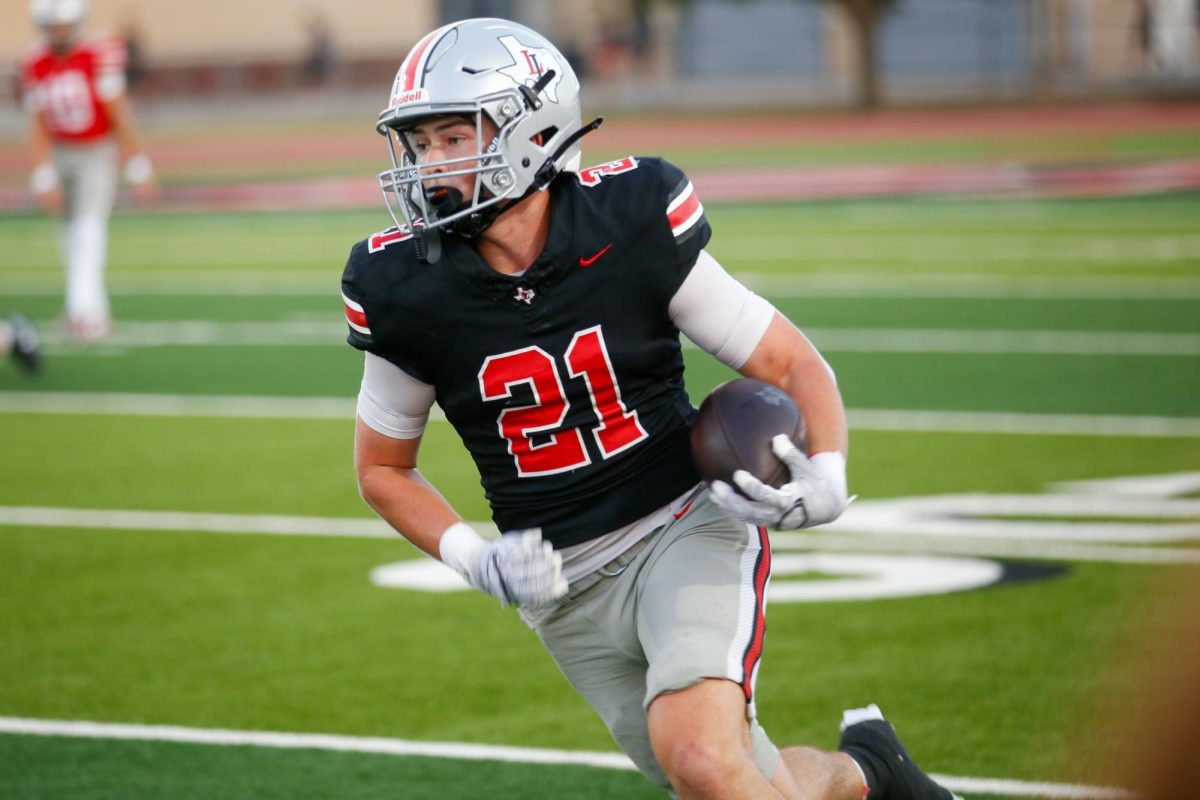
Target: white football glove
519	567
816	493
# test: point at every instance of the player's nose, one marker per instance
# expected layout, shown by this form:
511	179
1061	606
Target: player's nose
436	152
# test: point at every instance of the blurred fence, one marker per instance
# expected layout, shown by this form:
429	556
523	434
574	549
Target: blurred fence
790	53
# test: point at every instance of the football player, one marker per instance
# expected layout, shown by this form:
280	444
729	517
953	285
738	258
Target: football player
540	305
74	89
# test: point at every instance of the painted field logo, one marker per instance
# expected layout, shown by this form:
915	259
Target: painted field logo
914	546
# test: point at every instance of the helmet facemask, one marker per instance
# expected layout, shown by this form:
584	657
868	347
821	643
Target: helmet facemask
496	74
411	187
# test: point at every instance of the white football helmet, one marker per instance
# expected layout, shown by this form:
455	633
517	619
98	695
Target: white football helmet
47	13
521	82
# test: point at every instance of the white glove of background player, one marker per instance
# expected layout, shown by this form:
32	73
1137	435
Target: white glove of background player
816	494
519	567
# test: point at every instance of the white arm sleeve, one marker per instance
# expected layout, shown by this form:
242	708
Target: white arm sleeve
718	313
391	401
110	84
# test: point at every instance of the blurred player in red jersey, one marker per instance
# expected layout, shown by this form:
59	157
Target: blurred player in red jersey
541	306
74	88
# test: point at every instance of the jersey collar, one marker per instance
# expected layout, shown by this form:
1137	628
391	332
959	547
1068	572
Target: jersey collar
549	267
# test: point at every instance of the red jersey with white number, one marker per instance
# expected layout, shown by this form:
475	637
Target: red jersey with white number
564	383
70	89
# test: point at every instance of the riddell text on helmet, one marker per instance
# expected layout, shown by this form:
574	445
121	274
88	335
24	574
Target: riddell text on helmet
411	96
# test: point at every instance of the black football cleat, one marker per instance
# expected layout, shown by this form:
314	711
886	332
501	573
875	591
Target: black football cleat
25	347
871	740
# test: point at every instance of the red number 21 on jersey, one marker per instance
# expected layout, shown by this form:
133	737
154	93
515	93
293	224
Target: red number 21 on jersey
587	358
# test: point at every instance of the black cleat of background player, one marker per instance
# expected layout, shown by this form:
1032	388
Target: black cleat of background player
25	347
871	741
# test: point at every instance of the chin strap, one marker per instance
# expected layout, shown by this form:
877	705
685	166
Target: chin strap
428	244
547	172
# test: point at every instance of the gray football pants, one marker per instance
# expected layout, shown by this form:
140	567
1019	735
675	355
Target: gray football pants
686	603
89	180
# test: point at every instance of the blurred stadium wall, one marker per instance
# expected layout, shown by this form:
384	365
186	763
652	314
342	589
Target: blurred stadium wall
670	54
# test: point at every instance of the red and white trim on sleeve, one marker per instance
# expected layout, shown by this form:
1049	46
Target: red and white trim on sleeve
684	211
356	318
109	53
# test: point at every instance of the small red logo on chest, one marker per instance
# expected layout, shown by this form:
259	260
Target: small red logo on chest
587	262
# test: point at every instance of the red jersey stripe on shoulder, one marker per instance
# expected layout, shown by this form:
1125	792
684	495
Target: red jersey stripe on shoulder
107	44
684	211
379	241
103	49
356	318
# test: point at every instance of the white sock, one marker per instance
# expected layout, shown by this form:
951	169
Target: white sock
853	716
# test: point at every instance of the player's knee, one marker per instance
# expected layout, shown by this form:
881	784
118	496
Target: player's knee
698	764
699	759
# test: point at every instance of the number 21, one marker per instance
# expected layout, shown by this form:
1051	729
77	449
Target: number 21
586	357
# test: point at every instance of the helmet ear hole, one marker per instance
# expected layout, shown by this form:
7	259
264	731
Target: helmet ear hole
544	135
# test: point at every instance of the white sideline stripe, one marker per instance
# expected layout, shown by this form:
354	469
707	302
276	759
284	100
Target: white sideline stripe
1040	550
313	741
207	333
372	528
911	340
840	281
336	408
1032	788
1023	423
458	750
284	333
180	405
121	519
820	279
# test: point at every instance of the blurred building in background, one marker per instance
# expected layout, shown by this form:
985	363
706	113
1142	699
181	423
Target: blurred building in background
664	54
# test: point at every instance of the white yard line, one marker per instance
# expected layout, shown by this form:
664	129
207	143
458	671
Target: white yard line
923	340
1022	423
820	278
311	741
373	528
994	548
195	522
183	282
949	248
465	751
179	405
206	333
336	408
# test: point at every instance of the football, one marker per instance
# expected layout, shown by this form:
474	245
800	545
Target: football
734	428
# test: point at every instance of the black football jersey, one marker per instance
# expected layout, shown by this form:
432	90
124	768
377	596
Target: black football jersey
566	382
